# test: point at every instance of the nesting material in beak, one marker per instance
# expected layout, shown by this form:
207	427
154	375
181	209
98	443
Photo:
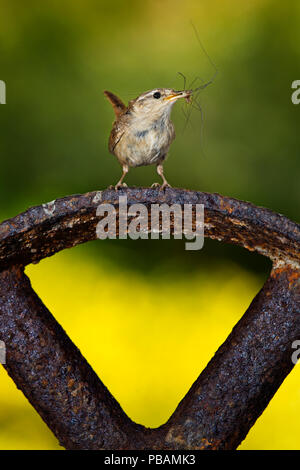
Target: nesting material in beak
187	94
174	96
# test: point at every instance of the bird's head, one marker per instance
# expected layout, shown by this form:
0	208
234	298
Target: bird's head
157	102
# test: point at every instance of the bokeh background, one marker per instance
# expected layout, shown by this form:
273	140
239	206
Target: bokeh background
149	315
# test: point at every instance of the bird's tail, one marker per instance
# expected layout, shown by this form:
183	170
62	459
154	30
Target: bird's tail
117	104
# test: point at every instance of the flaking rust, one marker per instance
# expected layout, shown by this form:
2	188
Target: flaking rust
72	220
230	393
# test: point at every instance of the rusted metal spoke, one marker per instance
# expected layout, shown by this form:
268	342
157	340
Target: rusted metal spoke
54	376
240	380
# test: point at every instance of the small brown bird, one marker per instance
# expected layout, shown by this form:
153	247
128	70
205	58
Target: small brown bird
143	131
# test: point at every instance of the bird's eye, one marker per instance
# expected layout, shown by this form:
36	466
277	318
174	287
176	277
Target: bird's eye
156	95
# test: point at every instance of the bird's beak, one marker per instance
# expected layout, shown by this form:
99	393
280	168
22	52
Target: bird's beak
178	94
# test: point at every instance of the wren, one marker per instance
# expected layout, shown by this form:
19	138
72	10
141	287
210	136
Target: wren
143	131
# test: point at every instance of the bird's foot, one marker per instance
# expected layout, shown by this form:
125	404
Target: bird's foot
117	186
161	187
164	186
120	185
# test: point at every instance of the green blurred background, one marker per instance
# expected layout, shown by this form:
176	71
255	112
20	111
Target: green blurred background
148	315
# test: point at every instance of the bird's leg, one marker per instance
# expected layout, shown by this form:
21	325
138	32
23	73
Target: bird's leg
160	171
120	183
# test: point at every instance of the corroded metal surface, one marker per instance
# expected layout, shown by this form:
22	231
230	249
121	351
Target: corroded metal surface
231	392
53	375
240	380
44	230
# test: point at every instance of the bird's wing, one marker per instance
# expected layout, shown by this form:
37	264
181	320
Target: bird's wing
117	104
116	135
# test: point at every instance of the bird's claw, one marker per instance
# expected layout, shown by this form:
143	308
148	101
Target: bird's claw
119	186
164	186
161	187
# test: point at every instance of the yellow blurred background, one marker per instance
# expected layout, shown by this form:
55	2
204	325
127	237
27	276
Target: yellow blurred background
147	315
